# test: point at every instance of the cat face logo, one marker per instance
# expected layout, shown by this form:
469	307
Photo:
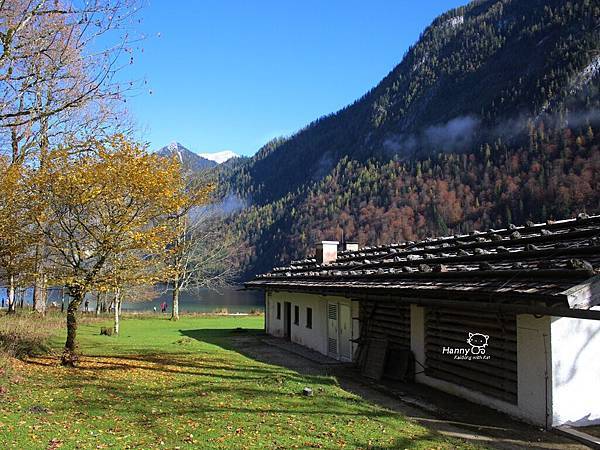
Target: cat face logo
478	343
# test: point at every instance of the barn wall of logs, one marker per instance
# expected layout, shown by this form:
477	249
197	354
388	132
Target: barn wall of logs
387	321
532	399
489	343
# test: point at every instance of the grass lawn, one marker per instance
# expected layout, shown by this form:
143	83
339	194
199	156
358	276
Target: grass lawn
164	384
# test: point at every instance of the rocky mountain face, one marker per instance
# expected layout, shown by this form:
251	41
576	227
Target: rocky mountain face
189	160
491	117
196	162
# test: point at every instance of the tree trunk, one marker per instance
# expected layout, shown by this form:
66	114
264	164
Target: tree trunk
40	293
117	310
39	283
69	356
175	310
11	295
178	266
98	303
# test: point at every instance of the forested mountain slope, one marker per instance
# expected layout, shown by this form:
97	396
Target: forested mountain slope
491	117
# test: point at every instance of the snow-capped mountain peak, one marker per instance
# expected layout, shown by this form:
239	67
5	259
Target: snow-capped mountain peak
219	157
175	149
188	159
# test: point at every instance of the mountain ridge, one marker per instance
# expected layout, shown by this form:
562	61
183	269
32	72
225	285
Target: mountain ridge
219	157
491	117
500	59
190	161
196	161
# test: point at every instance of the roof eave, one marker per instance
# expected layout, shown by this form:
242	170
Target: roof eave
556	305
585	295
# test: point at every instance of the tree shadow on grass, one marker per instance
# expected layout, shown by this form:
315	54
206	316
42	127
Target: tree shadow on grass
222	337
173	364
196	400
251	343
245	404
151	389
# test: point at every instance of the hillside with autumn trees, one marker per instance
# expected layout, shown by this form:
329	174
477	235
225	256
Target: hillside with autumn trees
491	118
556	176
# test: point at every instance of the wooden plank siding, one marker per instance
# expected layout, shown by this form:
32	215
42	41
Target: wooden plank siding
386	321
496	376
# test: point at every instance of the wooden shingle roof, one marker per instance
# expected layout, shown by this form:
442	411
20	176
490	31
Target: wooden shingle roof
538	261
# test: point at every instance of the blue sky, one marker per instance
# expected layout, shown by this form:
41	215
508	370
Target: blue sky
224	74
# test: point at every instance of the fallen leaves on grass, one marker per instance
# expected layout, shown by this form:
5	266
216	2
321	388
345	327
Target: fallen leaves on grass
54	444
198	396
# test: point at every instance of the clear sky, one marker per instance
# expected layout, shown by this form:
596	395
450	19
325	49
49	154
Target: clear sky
225	74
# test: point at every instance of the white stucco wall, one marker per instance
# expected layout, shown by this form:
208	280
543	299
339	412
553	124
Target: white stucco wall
315	338
531	364
534	369
576	371
274	326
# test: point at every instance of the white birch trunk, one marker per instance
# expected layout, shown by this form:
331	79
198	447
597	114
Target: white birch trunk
11	295
175	299
117	305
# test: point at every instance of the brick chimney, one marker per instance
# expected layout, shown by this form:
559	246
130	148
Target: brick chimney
327	251
350	246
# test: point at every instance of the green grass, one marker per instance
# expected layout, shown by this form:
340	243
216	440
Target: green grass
165	384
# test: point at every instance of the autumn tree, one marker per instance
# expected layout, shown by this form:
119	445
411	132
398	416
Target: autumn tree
16	232
57	81
111	203
133	273
204	250
58	58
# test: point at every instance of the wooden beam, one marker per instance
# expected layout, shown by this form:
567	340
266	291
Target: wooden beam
579	435
584	295
498	306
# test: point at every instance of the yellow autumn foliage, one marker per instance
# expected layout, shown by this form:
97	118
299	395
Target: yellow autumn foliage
108	216
16	231
110	204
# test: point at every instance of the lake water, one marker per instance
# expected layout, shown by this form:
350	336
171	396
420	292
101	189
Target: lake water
234	300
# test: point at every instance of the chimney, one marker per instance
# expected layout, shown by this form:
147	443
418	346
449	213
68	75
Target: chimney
350	246
327	251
